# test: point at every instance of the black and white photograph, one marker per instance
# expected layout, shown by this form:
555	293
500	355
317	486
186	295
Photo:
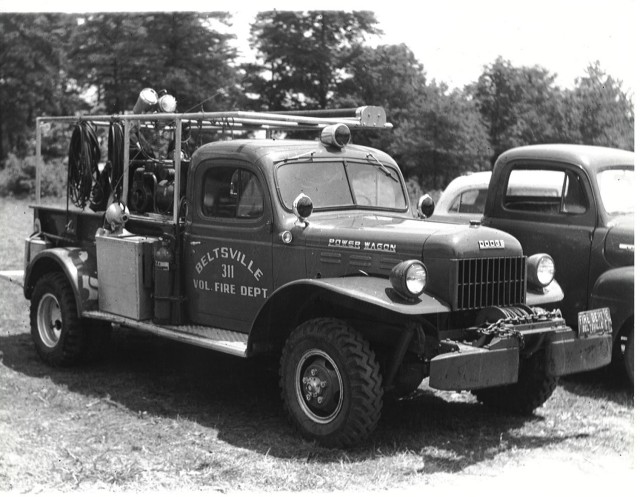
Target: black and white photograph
324	248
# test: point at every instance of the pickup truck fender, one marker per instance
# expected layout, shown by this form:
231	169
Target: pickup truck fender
79	266
614	289
287	305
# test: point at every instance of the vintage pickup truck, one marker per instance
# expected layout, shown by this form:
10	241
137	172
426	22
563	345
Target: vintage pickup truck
574	202
302	252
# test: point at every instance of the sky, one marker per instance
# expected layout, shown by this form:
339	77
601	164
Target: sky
454	39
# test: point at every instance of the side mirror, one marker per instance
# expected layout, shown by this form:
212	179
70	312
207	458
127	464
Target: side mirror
426	205
302	207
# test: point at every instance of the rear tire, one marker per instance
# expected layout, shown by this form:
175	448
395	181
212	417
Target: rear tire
57	332
331	383
533	388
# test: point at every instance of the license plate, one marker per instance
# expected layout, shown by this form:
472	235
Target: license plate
594	322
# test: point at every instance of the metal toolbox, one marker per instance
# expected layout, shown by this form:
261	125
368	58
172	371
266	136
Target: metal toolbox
125	275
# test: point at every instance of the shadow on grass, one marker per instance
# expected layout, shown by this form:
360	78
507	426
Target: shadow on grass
610	383
240	399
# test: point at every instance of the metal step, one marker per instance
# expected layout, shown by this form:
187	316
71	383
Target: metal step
227	341
14	276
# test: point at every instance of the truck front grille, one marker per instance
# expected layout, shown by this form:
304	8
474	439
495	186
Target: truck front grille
487	282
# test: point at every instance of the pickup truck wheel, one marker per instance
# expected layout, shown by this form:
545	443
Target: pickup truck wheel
628	355
533	388
331	383
55	327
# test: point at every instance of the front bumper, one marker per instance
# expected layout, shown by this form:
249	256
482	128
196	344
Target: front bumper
470	368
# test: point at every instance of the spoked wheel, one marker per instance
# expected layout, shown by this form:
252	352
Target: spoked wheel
57	331
331	383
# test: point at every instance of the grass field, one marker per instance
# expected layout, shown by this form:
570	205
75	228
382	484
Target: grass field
159	416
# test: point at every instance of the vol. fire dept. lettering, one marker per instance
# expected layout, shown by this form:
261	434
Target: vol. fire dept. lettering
230	288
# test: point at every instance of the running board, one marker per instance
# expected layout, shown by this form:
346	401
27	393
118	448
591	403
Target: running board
14	276
229	342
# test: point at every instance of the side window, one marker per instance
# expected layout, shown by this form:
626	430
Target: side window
472	201
574	199
232	192
455	205
549	191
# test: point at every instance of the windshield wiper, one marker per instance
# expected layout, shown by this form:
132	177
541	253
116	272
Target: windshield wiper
384	168
305	154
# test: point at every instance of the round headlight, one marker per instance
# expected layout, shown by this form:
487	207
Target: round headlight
409	278
540	270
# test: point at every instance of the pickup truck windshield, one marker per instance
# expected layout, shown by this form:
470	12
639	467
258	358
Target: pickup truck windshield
338	184
617	189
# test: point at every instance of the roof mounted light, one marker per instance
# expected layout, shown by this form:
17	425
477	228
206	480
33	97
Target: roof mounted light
166	102
336	135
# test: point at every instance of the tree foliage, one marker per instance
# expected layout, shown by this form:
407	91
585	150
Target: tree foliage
441	137
303	55
521	105
119	54
33	80
601	112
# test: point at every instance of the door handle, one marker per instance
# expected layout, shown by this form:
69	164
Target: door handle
194	243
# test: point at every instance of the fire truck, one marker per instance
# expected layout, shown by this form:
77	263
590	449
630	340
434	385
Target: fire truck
215	229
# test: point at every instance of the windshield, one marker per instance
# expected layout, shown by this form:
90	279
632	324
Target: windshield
617	189
333	185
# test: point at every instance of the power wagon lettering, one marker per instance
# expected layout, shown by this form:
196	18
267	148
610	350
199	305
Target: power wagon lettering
359	245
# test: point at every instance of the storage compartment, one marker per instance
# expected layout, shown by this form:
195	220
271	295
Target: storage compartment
125	275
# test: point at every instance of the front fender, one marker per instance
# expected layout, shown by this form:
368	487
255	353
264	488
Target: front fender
614	289
79	266
550	294
284	308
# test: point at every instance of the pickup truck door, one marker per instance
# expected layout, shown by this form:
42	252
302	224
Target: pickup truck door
549	207
228	245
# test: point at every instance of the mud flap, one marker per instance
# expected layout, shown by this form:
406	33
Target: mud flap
472	368
574	355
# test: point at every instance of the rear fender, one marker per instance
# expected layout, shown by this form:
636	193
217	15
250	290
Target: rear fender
293	302
79	266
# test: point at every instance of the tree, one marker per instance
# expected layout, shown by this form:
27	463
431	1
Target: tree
120	54
521	105
441	137
388	76
304	55
33	75
601	112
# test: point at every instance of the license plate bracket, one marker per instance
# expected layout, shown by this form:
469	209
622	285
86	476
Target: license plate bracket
594	322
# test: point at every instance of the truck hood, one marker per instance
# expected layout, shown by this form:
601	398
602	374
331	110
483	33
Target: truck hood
619	244
393	239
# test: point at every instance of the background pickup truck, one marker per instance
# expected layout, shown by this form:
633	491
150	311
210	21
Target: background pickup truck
574	202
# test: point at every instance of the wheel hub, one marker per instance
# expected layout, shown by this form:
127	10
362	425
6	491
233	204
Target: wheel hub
316	385
49	320
320	389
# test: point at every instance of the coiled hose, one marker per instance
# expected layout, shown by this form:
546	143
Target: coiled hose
84	155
